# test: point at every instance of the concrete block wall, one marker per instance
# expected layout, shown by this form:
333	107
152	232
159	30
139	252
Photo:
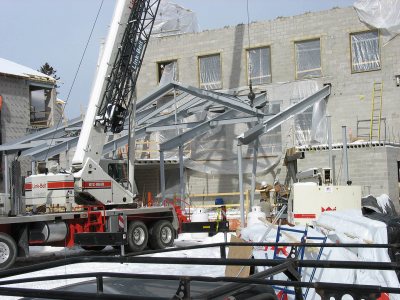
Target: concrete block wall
15	116
349	101
374	168
351	92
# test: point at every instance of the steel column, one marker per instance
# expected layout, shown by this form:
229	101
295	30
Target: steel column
254	171
162	176
345	157
33	167
242	217
181	177
6	174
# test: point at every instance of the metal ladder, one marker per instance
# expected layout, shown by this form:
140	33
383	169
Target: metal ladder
376	112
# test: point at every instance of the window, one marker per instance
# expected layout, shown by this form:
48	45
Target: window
40	106
210	72
259	65
365	54
167	71
308	59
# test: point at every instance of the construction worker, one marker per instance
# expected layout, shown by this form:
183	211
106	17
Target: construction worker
265	201
281	195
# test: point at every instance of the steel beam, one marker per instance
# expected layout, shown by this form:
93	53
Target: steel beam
172	127
158	93
158	110
49	133
283	116
192	133
230	102
45	151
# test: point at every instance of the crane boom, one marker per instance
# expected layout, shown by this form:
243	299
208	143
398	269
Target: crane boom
113	89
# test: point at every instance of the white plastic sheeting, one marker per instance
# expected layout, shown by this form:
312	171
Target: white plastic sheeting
308	59
382	14
310	126
259	65
341	224
365	53
173	19
210	72
169	74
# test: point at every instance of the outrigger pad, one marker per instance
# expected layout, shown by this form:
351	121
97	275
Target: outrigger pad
214	227
100	238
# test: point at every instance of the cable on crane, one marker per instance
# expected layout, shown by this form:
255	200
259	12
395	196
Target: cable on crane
251	94
76	74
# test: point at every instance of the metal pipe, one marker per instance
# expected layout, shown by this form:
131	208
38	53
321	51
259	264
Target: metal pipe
162	175
6	175
181	177
345	157
242	218
33	167
329	129
254	171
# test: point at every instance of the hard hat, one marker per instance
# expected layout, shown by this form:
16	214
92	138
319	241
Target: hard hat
263	183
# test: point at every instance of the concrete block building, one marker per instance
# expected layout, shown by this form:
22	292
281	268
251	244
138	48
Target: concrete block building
288	57
27	104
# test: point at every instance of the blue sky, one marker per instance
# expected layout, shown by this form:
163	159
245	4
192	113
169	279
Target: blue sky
56	31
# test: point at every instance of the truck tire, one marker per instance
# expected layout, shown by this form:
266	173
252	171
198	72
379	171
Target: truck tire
138	236
8	251
162	235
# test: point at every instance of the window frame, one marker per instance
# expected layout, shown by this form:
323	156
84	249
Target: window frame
199	57
296	60
248	60
166	62
351	51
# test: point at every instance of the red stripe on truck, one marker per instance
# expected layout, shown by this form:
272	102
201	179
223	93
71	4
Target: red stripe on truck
304	216
60	185
96	185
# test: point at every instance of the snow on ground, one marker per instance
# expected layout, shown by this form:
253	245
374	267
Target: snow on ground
349	227
160	269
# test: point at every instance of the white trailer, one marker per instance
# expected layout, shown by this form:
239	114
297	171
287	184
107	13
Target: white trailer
308	200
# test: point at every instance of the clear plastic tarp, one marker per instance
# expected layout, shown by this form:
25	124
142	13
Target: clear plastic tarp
310	125
365	51
259	60
173	19
169	73
381	14
210	72
308	59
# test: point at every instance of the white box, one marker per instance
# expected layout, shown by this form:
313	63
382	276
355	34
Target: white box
308	201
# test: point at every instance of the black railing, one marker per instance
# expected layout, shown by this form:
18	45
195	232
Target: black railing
288	267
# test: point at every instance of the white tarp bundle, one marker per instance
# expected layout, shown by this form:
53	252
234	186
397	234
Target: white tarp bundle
381	14
173	19
341	225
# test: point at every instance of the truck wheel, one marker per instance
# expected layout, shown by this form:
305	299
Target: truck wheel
162	235
8	251
93	248
137	236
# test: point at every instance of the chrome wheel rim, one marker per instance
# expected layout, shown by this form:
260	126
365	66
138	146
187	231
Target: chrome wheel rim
138	236
4	252
166	235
